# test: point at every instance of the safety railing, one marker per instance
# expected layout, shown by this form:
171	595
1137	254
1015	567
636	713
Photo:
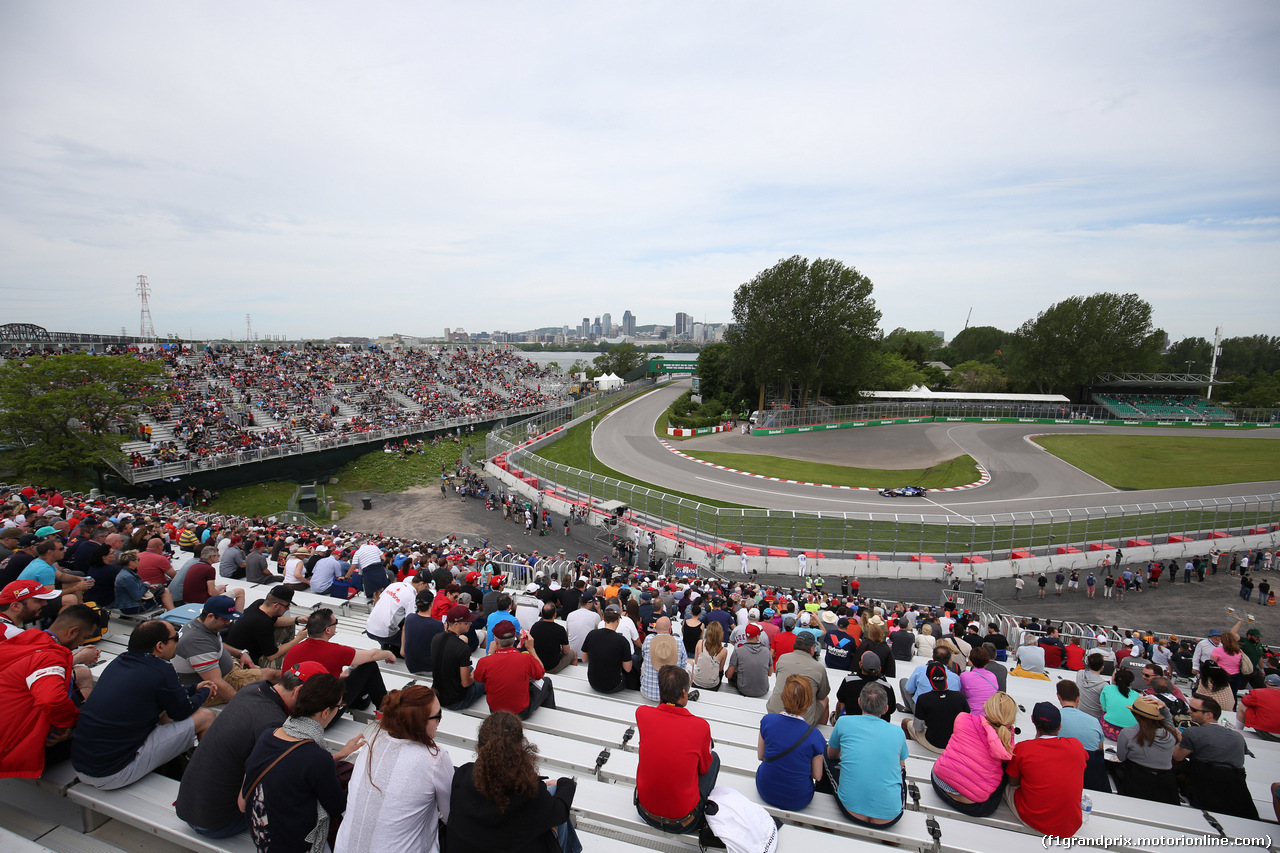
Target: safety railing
897	536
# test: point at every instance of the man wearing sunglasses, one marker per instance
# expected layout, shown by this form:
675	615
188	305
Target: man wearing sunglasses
1212	758
139	715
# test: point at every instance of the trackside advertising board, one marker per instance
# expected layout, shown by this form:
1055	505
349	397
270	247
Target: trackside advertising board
1073	421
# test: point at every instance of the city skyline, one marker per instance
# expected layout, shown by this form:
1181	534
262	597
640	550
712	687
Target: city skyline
328	169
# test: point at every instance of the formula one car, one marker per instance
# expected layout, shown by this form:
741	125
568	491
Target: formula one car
905	492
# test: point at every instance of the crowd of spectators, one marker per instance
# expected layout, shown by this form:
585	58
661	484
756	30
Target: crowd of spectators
227	400
836	659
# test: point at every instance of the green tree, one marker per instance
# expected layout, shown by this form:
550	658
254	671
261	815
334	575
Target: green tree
976	377
896	372
1249	355
620	359
914	346
1257	391
65	413
801	322
1198	351
1071	342
977	343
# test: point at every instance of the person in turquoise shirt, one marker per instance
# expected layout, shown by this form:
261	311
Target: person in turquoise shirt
866	759
1115	700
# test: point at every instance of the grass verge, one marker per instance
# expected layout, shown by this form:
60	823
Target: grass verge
374	472
259	499
1168	462
574	451
385	472
959	471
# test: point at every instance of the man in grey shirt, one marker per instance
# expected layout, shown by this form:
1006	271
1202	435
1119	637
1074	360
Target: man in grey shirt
1091	681
748	668
1216	766
256	565
232	563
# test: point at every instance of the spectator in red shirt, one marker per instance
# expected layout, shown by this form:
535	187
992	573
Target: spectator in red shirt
1049	774
1260	709
36	681
444	600
198	584
153	566
677	768
514	679
1074	656
785	641
364	682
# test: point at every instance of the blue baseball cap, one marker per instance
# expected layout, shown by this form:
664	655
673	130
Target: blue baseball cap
222	606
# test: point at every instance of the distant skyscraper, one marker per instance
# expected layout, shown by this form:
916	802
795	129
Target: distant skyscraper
586	328
628	324
684	325
606	324
595	328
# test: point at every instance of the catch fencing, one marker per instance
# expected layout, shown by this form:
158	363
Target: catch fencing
888	536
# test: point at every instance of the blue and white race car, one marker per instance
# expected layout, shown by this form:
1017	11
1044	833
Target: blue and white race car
905	492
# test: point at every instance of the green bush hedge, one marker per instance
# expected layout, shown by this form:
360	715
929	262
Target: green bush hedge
689	415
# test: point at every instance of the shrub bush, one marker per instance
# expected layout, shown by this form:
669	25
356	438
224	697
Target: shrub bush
690	415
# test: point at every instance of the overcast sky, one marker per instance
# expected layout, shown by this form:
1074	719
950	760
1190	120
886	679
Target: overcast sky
362	169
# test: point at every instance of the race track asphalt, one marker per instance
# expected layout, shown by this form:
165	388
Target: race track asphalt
1023	477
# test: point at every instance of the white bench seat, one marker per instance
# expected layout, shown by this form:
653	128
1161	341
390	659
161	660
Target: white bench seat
148	805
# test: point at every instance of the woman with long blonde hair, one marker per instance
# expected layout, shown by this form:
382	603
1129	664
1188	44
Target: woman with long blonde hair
969	775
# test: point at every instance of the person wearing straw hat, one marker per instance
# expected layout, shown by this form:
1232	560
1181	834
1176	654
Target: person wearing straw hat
1146	752
295	576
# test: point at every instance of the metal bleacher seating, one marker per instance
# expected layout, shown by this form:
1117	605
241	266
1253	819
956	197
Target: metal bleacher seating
592	737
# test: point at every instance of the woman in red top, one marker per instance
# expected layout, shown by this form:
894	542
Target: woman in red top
443	601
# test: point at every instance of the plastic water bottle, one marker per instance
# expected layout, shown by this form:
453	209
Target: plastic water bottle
1086	808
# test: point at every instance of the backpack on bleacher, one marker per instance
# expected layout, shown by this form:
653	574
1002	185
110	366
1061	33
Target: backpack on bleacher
104	622
1180	710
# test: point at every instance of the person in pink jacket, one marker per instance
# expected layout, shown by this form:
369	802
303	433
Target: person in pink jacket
978	683
969	774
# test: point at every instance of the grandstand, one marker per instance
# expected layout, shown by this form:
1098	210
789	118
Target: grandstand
235	405
1158	397
1162	407
591	736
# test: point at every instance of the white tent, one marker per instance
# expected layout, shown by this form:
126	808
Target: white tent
609	382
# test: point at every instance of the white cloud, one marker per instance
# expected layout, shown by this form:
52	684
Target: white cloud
339	169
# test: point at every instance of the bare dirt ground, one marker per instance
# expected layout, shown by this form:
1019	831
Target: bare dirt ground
421	513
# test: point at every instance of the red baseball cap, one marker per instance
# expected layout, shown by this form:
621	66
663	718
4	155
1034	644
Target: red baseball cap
497	581
472	577
752	630
22	590
305	669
